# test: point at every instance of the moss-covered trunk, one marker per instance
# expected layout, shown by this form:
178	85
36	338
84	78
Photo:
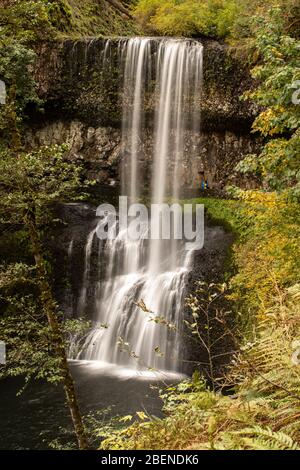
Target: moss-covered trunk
50	310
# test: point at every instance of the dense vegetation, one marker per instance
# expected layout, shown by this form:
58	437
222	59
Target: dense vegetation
262	410
215	18
38	18
264	377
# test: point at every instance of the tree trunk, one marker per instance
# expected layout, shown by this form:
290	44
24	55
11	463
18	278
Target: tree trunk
116	4
12	118
50	309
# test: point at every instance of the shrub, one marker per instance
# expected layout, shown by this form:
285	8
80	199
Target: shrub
187	17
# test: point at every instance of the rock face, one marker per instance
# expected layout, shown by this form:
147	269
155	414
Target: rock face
99	148
81	84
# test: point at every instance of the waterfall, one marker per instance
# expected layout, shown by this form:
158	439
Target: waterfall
137	54
154	271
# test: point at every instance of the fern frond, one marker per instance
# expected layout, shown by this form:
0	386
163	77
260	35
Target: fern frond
266	438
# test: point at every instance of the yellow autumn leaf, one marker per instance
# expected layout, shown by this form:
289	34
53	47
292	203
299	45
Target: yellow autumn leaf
142	415
125	419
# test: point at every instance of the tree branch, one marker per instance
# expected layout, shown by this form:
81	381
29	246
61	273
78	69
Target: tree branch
120	7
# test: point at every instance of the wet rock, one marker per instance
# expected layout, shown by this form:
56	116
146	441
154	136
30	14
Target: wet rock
81	83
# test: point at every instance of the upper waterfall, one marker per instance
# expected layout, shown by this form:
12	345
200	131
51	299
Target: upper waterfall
175	67
153	271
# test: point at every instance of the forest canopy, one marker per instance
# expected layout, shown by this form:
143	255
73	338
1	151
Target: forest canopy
215	18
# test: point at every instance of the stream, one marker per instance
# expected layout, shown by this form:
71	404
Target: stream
38	416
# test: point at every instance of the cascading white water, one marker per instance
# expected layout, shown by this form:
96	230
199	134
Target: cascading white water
152	271
137	56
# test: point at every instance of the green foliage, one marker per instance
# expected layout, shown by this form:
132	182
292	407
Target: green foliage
29	184
263	411
23	23
279	77
217	18
211	326
60	15
23	326
37	179
32	327
45	19
187	17
25	20
266	253
14	274
75	332
16	61
262	415
256	438
244	28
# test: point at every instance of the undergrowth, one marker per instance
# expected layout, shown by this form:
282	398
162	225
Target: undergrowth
262	410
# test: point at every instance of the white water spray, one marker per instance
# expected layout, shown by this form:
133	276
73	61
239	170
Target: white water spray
152	271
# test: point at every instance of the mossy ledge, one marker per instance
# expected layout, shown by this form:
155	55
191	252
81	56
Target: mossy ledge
83	100
71	79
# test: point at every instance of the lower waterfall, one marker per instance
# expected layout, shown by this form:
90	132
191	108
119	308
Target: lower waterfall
152	271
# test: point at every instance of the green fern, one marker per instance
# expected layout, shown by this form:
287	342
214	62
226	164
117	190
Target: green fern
266	438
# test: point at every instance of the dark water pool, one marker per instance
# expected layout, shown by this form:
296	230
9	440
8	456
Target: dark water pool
38	415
